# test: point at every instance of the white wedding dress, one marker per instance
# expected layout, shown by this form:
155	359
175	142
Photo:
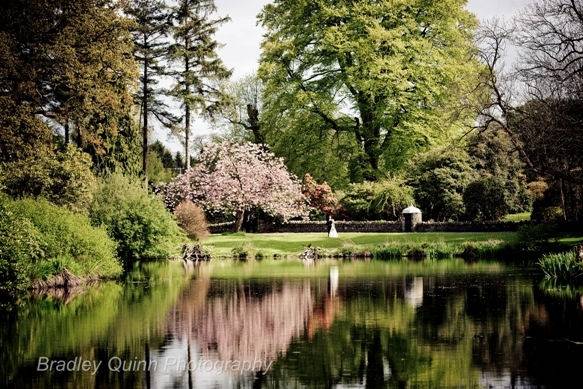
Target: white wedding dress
333	233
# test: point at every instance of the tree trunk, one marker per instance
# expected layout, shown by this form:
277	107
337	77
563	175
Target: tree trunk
67	132
145	119
253	119
187	136
369	135
239	221
79	135
562	193
187	106
371	149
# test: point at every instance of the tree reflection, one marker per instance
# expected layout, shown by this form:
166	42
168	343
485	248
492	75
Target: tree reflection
242	322
373	331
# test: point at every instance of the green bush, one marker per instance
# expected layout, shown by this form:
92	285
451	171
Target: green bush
563	267
550	215
439	250
439	181
64	178
532	235
136	219
377	200
157	173
19	249
67	240
486	199
39	239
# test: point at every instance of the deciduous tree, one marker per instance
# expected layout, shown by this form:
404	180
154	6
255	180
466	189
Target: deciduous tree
242	110
390	73
543	124
238	178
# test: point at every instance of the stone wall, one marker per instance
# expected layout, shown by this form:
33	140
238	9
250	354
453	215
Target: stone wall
220	228
469	227
341	226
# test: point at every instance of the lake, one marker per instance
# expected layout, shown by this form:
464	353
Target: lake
290	324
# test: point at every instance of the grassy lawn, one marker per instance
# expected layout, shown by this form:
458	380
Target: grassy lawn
517	217
294	243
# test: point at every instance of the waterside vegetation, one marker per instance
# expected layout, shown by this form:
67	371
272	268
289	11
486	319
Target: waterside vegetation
441	245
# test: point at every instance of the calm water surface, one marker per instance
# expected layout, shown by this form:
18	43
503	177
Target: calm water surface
285	324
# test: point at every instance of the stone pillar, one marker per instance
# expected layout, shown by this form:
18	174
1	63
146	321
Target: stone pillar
411	218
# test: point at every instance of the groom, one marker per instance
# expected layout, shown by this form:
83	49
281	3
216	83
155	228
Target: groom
328	224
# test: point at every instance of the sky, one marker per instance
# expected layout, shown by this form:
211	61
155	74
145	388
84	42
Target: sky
241	40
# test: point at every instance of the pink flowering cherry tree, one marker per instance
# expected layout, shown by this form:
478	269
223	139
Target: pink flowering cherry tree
236	178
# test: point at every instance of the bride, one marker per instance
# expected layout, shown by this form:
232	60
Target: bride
332	232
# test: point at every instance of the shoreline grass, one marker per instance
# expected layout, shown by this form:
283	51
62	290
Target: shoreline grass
562	267
434	245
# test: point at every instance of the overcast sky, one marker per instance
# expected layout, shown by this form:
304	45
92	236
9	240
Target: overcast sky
241	37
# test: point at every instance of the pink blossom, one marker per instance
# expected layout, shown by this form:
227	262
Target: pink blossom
232	177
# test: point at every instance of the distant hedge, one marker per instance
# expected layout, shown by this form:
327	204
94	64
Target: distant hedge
375	226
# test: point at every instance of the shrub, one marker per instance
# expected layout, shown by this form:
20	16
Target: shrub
439	250
439	181
356	202
493	154
319	196
486	199
550	214
39	239
64	178
136	219
157	173
377	200
244	252
562	267
489	249
536	234
192	220
19	249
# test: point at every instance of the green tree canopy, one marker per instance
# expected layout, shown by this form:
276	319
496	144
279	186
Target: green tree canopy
439	179
66	66
390	73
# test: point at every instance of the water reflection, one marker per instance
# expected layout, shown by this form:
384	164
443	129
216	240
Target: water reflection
324	327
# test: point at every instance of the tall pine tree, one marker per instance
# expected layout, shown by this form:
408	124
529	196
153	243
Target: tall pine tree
198	68
151	48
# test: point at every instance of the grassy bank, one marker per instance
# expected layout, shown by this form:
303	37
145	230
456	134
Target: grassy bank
46	245
293	244
382	245
39	240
